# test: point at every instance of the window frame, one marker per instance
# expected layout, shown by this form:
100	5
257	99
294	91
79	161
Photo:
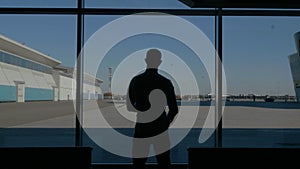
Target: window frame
220	10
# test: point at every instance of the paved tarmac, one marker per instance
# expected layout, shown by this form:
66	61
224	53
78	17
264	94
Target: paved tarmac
61	114
53	124
40	114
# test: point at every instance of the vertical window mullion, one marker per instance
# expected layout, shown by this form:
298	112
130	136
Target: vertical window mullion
218	78
79	75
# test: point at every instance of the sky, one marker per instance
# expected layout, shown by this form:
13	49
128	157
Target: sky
255	49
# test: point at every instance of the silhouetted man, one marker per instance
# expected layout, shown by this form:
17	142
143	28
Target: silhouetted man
149	93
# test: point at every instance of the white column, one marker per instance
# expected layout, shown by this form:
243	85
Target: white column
20	89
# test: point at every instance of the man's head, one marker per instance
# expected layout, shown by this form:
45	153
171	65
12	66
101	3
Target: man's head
153	58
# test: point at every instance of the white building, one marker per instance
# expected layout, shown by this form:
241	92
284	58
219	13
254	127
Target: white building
29	75
295	66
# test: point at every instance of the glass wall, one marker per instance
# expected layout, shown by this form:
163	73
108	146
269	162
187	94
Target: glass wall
136	4
125	58
259	55
17	61
263	110
39	3
35	103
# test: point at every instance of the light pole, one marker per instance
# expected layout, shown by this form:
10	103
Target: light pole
109	80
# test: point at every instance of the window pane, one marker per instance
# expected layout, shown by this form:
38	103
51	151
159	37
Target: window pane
261	64
35	103
124	59
39	3
136	4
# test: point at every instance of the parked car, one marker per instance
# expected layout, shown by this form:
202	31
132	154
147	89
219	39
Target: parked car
269	99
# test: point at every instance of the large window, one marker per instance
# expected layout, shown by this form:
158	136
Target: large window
263	109
39	3
44	80
36	99
136	4
126	58
17	61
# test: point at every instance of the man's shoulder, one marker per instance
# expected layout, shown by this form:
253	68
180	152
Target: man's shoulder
157	76
165	79
137	77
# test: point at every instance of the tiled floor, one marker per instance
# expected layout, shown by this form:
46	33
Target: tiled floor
129	166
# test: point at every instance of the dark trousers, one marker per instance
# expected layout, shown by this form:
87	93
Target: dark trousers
141	147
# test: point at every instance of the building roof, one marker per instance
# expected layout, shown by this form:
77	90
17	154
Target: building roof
26	52
91	79
69	71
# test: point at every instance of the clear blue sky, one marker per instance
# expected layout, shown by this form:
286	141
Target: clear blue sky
255	51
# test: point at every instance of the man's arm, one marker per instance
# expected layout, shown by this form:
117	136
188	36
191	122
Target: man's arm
172	104
130	99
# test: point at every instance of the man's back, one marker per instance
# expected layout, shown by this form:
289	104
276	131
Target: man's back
142	100
139	90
